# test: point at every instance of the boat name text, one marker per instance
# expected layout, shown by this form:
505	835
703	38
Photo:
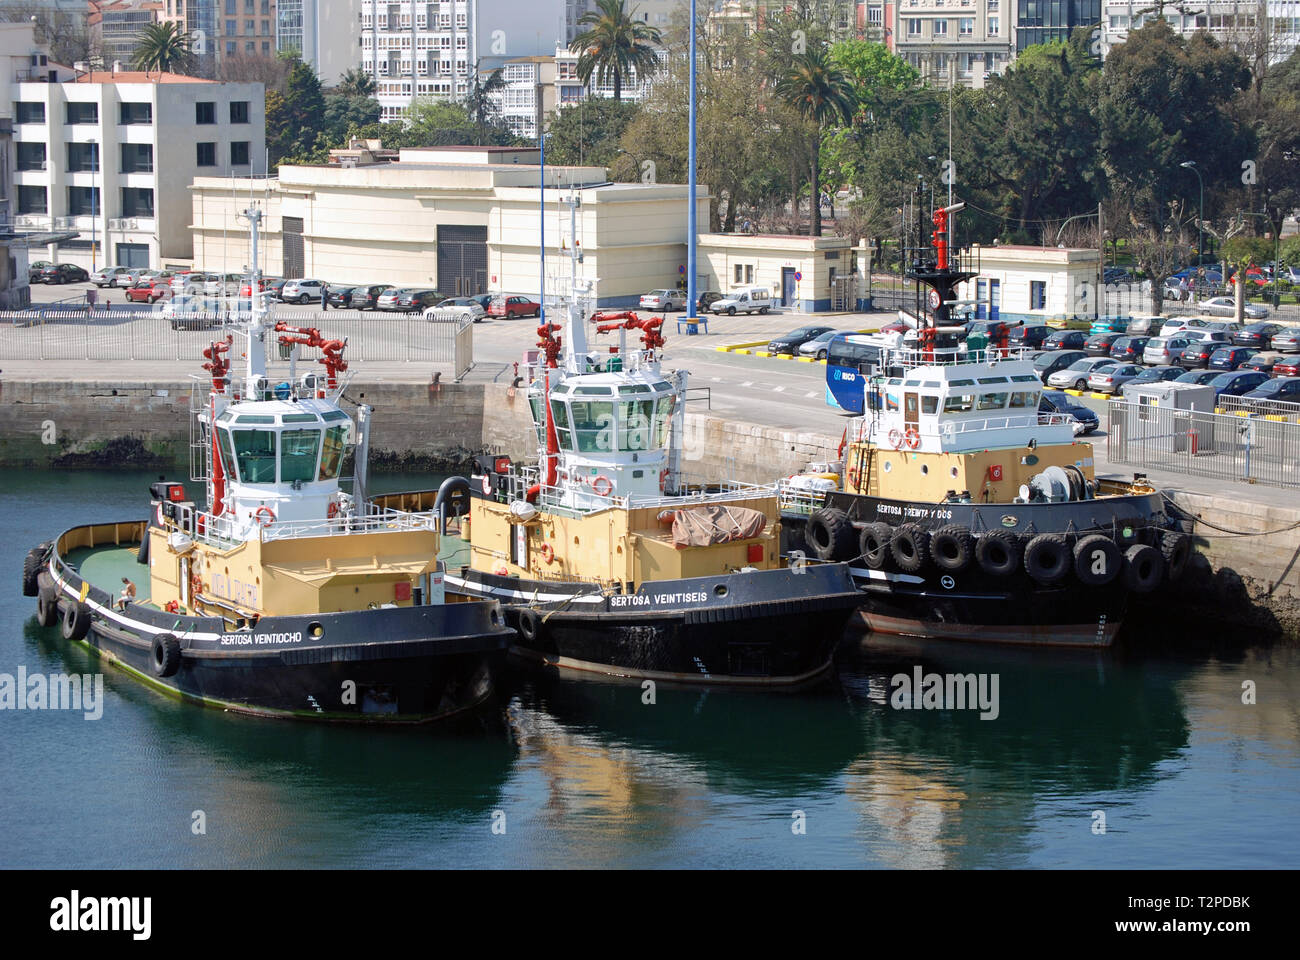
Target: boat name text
250	639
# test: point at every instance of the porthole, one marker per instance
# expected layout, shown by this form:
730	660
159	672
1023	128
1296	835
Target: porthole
315	630
953	473
889	465
925	470
720	590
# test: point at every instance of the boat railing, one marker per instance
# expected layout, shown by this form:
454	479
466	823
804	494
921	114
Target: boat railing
223	531
909	359
862	429
799	499
525	483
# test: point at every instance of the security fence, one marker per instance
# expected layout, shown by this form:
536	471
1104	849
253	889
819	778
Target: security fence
1248	443
152	335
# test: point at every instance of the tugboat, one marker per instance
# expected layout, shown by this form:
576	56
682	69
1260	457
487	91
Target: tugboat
286	596
967	514
610	559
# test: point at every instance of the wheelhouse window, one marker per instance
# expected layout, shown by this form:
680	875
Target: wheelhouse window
299	451
331	461
991	401
929	405
1019	399
255	455
961	403
593	425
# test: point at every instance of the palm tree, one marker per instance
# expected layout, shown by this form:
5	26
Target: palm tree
478	101
356	83
614	45
817	89
163	47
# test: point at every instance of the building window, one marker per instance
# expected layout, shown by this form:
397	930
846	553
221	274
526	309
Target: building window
30	112
137	202
83	157
230	28
239	111
205	111
31	156
913	28
239	153
83	201
207	154
129	113
993	26
967	26
1037	294
32	200
83	113
875	16
940	28
137	158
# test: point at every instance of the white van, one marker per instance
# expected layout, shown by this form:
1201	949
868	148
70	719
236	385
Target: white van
744	300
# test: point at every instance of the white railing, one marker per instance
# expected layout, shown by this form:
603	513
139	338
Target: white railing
224	531
707	490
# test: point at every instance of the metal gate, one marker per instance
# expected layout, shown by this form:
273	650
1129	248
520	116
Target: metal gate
462	260
294	260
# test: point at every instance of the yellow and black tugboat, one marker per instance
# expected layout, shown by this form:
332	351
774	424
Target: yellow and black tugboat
966	513
610	558
285	595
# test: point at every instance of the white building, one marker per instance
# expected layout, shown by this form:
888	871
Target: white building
325	33
528	81
414	49
1241	23
157	133
946	39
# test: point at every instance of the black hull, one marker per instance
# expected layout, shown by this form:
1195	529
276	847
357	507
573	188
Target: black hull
395	665
768	628
972	605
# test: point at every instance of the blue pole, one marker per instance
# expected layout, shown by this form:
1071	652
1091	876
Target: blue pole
693	306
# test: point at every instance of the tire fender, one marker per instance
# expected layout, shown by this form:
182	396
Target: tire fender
1048	558
165	655
999	552
76	621
830	535
1144	568
47	605
1176	548
952	548
873	544
910	548
1097	560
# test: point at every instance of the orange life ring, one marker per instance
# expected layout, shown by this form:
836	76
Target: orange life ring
501	572
548	553
196	585
333	510
596	483
264	515
854	474
663	478
913	438
896	439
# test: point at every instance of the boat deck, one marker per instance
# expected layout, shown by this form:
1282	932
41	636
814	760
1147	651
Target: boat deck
104	567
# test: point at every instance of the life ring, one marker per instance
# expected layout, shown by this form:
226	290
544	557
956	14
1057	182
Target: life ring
854	475
663	479
602	486
998	552
1097	560
910	547
264	516
1048	558
172	606
196	584
1143	568
501	572
76	621
548	553
952	548
912	438
166	655
333	510
896	439
873	544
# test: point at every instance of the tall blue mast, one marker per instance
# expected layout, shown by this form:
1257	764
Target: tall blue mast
692	305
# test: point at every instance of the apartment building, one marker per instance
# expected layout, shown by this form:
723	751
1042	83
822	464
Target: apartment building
528	82
155	134
117	24
325	33
1243	23
1042	21
953	40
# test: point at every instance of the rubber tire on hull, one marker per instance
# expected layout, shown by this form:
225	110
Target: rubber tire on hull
142	555
1176	548
530	625
47	606
1048	558
76	621
910	548
31	571
1086	560
1144	568
830	535
165	656
999	552
873	544
952	548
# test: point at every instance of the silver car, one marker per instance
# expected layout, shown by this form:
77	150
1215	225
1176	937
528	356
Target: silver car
1286	341
1227	307
1111	379
109	276
1076	375
663	300
1164	350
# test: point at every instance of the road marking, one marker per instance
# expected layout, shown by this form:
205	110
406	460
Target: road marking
748	383
778	389
810	395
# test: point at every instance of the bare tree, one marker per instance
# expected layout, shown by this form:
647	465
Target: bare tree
66	35
272	71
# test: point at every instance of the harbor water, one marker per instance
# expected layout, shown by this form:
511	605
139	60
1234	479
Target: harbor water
1147	755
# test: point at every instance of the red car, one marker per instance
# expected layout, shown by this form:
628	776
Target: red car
514	306
1290	367
264	284
149	291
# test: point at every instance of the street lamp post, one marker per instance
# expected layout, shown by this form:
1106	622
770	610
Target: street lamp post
1200	229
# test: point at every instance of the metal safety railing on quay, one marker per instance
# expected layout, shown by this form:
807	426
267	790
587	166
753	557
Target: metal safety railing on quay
1252	407
1253	448
152	335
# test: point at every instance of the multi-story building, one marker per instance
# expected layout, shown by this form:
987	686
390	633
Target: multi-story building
528	82
116	25
199	20
420	49
1248	24
961	40
570	90
1042	21
155	132
324	33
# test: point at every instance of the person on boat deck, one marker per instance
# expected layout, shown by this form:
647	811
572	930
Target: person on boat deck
128	594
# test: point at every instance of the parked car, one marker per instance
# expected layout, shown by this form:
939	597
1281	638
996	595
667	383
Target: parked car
707	299
791	341
387	301
484	300
1029	336
1086	421
1237	382
222	284
1111	379
1176	290
991	330
663	300
1145	326
1229	358
1290	367
187	312
1257	335
1154	375
1076	375
1293	274
1198	353
1110	325
149	291
817	346
64	273
744	300
1271	396
1065	340
1264	361
108	276
301	291
340	297
366	296
418	300
34	270
1181	324
1116	275
1227	307
1129	348
1046	364
1163	350
471	304
1193	274
1197	377
514	306
264	285
1099	344
1230	327
1287	340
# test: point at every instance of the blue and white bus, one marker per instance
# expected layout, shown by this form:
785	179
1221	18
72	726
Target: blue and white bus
849	359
